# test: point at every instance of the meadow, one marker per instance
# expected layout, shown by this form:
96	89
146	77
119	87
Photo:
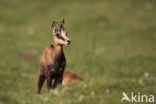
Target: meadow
113	48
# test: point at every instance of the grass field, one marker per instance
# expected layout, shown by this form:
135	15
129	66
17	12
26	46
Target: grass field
113	48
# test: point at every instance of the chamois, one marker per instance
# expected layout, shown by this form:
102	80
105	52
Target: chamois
53	61
69	78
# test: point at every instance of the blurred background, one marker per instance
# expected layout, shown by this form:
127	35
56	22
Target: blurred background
113	48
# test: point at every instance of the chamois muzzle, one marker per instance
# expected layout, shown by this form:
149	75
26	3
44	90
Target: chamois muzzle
68	42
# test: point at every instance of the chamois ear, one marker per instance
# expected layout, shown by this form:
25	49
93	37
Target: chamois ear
53	26
62	24
63	21
61	27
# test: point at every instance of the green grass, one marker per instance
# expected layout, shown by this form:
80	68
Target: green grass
113	49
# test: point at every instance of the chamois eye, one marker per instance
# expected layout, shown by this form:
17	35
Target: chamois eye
58	36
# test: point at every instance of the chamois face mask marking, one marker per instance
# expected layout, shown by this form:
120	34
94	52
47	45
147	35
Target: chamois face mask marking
60	37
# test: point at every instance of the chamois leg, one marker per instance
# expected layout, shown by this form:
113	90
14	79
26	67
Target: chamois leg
41	79
49	83
49	79
59	77
57	81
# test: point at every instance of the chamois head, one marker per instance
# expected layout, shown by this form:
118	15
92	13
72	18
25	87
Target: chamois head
60	34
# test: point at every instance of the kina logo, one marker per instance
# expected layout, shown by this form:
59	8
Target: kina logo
137	97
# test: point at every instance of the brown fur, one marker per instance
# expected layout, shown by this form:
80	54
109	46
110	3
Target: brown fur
69	78
53	61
